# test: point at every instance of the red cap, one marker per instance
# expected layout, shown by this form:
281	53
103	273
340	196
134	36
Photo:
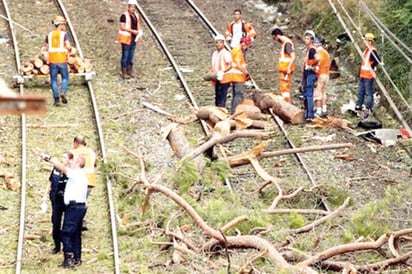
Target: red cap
246	40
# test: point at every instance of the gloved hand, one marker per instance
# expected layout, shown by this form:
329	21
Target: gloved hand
45	157
219	75
139	35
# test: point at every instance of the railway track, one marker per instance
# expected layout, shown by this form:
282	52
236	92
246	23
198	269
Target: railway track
127	123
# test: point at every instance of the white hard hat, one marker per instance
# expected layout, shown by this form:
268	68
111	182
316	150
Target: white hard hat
59	20
132	2
219	37
310	33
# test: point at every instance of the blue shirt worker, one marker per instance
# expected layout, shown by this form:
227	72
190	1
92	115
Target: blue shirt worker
130	33
55	190
309	76
75	196
58	46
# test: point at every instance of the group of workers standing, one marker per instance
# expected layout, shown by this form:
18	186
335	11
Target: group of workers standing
231	69
70	183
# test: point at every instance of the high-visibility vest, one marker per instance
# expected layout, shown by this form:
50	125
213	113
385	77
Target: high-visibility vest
366	67
123	36
285	58
220	60
90	160
56	47
247	30
309	63
323	66
235	73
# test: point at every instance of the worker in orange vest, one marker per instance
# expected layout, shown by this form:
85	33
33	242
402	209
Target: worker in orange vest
58	46
221	64
238	72
238	28
81	149
286	65
130	33
323	70
367	76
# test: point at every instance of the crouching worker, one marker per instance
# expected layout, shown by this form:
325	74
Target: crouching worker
75	201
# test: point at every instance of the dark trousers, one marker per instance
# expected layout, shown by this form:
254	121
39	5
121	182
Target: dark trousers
365	90
58	208
237	95
309	79
221	94
127	55
72	229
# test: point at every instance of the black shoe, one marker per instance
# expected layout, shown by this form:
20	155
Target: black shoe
56	103
68	260
77	261
84	228
55	250
357	108
64	99
324	114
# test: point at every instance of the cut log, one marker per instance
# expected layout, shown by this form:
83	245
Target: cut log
286	111
27	68
181	146
37	62
88	65
71	60
79	65
45	69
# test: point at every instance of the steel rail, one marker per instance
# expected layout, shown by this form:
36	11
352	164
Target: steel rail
22	220
275	117
99	128
174	64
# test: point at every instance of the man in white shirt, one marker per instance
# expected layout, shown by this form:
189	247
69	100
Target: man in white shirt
75	196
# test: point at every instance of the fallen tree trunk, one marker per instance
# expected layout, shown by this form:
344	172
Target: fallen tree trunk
239	159
286	111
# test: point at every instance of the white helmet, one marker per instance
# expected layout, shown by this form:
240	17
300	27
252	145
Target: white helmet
219	37
310	33
132	2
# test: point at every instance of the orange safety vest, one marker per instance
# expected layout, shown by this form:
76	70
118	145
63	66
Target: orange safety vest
324	61
125	37
247	30
237	57
56	47
90	159
309	62
285	58
366	66
219	64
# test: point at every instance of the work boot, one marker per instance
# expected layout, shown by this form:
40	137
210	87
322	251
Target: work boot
57	102
130	71
55	250
68	260
77	261
125	75
64	98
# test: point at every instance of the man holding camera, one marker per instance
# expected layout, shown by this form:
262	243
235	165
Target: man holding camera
55	190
